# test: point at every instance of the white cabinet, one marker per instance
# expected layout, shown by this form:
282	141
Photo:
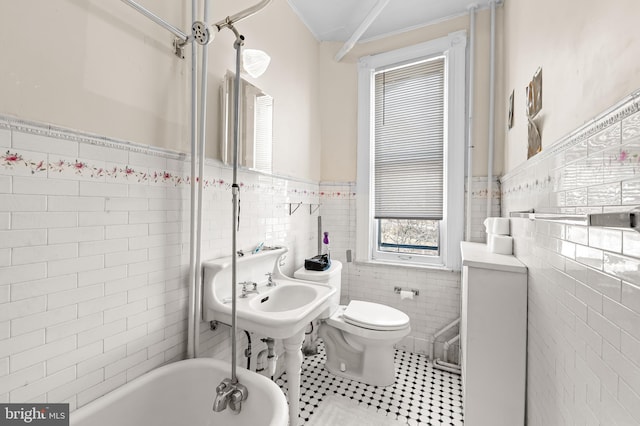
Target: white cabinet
493	337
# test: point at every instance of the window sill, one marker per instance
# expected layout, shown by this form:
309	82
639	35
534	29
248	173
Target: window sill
435	267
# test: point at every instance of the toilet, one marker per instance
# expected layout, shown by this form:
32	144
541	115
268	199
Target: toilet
359	338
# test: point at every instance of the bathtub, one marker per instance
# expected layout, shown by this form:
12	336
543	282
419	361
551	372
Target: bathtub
182	393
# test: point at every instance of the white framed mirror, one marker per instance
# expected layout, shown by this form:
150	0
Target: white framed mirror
256	125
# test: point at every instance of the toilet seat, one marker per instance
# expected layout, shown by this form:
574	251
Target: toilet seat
338	321
375	316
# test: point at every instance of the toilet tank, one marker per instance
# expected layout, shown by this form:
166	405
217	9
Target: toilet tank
332	276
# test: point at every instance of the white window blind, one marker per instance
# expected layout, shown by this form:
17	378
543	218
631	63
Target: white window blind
263	132
409	132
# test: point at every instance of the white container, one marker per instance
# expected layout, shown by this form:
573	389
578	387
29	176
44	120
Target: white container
500	244
500	226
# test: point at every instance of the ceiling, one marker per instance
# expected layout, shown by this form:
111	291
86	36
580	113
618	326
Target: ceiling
338	20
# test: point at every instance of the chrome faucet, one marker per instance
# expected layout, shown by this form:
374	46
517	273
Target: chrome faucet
246	292
270	281
223	392
229	394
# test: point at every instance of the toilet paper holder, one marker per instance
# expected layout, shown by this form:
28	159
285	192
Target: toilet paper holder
397	290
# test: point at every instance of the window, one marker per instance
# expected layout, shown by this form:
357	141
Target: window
411	127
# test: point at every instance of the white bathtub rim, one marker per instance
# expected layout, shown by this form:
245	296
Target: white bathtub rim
246	377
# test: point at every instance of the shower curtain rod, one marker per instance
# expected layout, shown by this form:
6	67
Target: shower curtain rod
232	19
202	35
155	18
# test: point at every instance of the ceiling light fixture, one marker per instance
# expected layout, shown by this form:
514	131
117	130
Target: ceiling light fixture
255	62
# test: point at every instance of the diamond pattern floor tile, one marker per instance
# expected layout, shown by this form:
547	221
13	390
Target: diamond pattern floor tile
421	394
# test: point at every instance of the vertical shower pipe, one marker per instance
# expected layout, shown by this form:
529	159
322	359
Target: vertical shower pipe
201	148
492	103
235	190
472	54
193	320
192	211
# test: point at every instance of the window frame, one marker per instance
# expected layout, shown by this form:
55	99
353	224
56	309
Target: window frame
453	48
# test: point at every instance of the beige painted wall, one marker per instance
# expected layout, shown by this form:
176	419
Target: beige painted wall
589	52
101	67
292	79
95	66
338	97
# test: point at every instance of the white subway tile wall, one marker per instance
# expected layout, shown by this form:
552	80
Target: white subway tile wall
584	282
94	253
479	206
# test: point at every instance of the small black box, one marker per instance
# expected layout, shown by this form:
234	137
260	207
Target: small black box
320	262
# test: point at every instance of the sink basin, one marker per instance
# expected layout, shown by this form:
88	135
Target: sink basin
278	312
286	297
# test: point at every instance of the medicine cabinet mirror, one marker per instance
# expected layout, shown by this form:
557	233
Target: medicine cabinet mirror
256	122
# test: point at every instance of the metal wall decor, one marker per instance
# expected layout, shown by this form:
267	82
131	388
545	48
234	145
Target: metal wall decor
510	113
533	96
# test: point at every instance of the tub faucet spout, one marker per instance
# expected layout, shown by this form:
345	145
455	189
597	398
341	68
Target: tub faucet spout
223	391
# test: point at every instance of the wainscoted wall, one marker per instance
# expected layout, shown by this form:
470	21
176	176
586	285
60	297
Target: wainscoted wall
94	252
583	364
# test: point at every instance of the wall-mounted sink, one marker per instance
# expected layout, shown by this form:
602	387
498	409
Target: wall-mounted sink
278	312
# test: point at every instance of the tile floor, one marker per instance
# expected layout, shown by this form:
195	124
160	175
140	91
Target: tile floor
421	395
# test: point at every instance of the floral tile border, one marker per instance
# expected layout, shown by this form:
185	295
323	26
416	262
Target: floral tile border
337	190
337	194
20	162
14	162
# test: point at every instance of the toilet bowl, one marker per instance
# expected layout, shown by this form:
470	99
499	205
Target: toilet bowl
359	338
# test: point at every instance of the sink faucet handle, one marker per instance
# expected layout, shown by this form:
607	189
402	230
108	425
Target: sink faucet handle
270	282
244	285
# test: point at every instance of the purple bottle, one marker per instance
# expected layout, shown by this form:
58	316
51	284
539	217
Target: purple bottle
325	244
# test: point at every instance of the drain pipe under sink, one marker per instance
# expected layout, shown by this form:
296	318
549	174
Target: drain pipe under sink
272	358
